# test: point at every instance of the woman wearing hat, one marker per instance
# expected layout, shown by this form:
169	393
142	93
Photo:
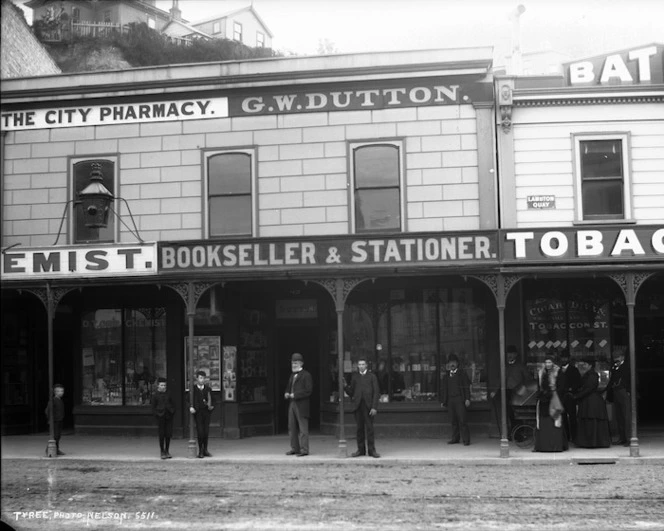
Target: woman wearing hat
549	434
592	429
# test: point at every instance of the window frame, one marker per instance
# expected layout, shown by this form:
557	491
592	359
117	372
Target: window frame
399	143
237	24
71	233
207	154
625	143
260	39
216	27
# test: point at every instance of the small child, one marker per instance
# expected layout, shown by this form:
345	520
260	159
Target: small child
58	414
163	408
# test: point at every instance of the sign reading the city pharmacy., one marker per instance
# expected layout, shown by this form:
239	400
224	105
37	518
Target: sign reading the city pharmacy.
114	114
572	244
79	261
439	250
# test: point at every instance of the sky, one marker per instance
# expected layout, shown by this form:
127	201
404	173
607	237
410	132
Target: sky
579	28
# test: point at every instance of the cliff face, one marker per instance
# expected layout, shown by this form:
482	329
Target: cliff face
22	54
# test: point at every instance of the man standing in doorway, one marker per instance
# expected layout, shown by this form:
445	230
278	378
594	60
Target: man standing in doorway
516	378
364	393
618	392
298	391
456	398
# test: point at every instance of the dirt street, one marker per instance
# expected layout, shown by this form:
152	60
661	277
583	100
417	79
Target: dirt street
176	494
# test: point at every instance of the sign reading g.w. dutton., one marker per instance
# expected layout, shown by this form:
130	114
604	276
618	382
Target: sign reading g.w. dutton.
447	250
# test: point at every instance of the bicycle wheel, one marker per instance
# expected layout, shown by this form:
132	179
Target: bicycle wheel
523	435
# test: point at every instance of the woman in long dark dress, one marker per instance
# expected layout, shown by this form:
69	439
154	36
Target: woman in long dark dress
592	429
549	434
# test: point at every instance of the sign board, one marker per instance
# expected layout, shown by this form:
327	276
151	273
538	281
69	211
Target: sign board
79	261
541	202
114	114
634	66
452	90
572	244
296	309
408	249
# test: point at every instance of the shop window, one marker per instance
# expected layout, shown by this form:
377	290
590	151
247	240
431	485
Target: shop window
260	40
582	319
216	27
237	31
81	170
230	204
123	352
377	183
603	191
407	337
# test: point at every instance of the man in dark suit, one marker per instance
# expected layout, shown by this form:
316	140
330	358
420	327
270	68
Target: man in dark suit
618	392
298	391
364	393
456	398
568	383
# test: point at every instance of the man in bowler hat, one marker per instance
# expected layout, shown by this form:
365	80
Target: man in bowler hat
364	393
456	398
298	391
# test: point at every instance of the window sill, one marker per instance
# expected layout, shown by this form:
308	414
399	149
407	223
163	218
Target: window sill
583	222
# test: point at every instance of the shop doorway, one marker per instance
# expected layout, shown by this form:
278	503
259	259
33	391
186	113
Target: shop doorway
305	340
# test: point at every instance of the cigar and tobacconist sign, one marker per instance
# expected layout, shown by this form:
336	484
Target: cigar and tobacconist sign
574	244
79	261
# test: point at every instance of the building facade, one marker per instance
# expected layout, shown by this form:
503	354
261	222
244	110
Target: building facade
581	167
337	206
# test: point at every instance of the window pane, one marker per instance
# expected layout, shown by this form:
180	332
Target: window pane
101	351
414	351
377	210
230	215
603	199
81	180
601	158
145	353
229	173
376	166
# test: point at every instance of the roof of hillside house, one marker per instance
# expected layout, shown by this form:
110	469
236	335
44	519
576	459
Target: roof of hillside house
178	28
235	11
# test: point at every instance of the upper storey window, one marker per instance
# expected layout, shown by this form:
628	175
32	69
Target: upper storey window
377	183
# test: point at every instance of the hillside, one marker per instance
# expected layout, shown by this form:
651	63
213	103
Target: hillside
142	46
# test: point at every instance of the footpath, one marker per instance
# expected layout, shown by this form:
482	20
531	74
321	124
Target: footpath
325	449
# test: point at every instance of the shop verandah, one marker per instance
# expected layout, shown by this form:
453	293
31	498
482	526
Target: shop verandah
644	312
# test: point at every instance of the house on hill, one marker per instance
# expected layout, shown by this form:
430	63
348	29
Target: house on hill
87	17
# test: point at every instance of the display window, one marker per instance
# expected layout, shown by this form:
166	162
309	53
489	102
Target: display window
407	336
587	319
123	352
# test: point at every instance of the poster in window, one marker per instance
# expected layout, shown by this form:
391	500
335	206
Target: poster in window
206	349
230	374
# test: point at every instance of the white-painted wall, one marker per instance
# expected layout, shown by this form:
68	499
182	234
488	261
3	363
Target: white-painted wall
543	157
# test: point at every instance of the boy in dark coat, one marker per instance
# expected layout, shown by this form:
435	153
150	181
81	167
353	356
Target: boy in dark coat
456	397
202	408
163	408
58	414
